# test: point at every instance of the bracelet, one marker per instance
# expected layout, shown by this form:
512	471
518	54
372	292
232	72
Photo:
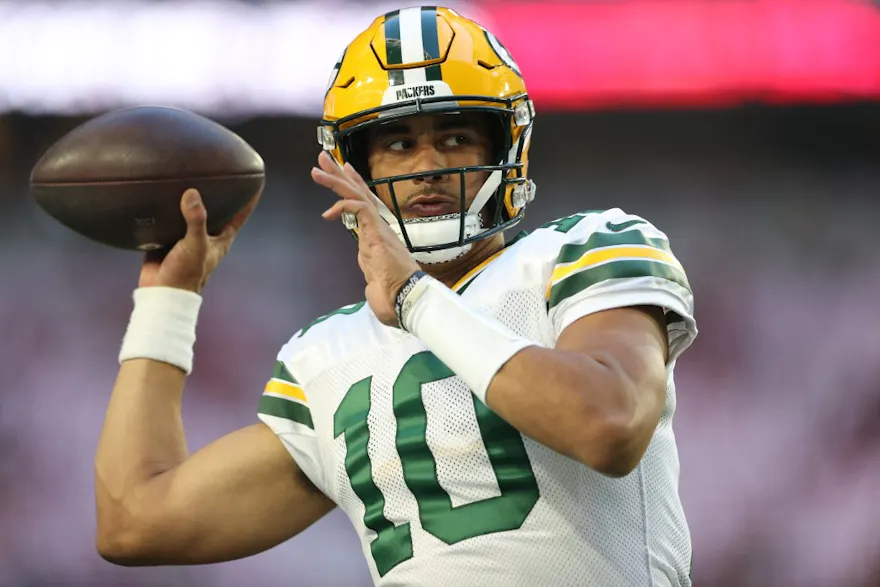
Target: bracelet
162	326
473	345
401	305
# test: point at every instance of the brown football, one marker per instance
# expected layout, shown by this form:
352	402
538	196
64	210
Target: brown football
118	178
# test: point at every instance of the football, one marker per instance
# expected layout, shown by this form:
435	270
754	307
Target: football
118	178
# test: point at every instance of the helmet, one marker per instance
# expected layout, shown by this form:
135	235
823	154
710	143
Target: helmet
432	60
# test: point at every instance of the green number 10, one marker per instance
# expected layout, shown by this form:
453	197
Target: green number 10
504	445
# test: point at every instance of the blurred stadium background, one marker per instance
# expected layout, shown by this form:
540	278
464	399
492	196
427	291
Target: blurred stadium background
748	130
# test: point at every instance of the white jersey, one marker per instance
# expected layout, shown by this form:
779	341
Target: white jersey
442	491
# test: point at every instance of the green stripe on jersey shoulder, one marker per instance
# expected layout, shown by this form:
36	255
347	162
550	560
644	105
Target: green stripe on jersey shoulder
566	223
283	373
573	251
578	282
345	310
287	409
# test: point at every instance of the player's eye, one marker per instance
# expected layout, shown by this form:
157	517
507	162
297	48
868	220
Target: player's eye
399	145
456	140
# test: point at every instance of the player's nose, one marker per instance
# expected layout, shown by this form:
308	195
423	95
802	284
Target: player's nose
428	158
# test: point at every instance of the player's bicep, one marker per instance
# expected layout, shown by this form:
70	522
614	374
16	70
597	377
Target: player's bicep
238	496
632	340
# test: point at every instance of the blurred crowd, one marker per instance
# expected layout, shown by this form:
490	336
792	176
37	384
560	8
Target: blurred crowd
772	212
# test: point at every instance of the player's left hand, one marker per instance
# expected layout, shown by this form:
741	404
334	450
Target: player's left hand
385	261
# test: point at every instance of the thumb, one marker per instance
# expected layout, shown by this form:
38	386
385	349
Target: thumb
196	217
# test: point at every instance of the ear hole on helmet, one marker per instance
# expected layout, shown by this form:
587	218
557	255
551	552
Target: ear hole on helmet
354	150
497	125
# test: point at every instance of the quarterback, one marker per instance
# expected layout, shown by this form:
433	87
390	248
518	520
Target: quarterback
495	413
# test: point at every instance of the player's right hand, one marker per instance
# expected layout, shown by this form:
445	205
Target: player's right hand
189	263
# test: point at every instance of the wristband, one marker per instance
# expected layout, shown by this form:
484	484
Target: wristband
407	296
475	346
162	326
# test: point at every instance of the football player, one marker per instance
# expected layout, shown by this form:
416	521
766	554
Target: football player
493	414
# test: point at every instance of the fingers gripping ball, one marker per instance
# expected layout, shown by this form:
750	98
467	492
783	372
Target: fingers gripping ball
118	178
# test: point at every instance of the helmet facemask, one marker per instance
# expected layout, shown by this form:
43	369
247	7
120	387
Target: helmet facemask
439	239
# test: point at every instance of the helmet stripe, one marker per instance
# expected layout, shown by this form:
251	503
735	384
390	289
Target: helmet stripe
412	45
393	51
431	42
411	37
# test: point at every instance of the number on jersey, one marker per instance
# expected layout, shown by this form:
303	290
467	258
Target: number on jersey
504	445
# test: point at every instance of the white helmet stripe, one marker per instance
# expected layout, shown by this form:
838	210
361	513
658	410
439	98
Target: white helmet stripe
411	45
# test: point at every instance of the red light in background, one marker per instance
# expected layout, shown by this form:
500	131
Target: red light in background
691	52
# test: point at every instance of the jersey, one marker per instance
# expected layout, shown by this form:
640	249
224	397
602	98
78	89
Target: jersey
441	490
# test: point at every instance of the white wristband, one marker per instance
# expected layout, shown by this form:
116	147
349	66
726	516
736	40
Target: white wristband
162	326
475	346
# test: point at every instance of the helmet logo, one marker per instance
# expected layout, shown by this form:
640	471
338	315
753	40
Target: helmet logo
335	73
502	53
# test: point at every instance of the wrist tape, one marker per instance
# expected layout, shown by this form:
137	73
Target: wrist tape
162	326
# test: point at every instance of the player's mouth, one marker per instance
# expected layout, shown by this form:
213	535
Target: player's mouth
432	205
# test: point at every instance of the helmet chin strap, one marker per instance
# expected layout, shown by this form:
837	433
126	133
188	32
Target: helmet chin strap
439	230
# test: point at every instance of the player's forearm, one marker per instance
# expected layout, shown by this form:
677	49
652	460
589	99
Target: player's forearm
142	437
143	430
582	406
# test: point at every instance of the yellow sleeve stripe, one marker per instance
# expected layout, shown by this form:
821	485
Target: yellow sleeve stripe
287	390
605	254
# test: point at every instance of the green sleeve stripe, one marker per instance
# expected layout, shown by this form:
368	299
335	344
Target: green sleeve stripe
577	282
289	410
281	372
572	252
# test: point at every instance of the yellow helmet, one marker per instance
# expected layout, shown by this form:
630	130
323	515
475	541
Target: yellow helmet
432	60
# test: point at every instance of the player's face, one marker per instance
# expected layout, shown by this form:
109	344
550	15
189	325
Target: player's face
424	143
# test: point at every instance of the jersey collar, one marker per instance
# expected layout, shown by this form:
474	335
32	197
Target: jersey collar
463	283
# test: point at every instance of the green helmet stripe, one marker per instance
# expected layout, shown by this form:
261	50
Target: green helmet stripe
393	52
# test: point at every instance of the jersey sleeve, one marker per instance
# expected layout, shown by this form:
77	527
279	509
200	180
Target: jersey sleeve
613	260
284	407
